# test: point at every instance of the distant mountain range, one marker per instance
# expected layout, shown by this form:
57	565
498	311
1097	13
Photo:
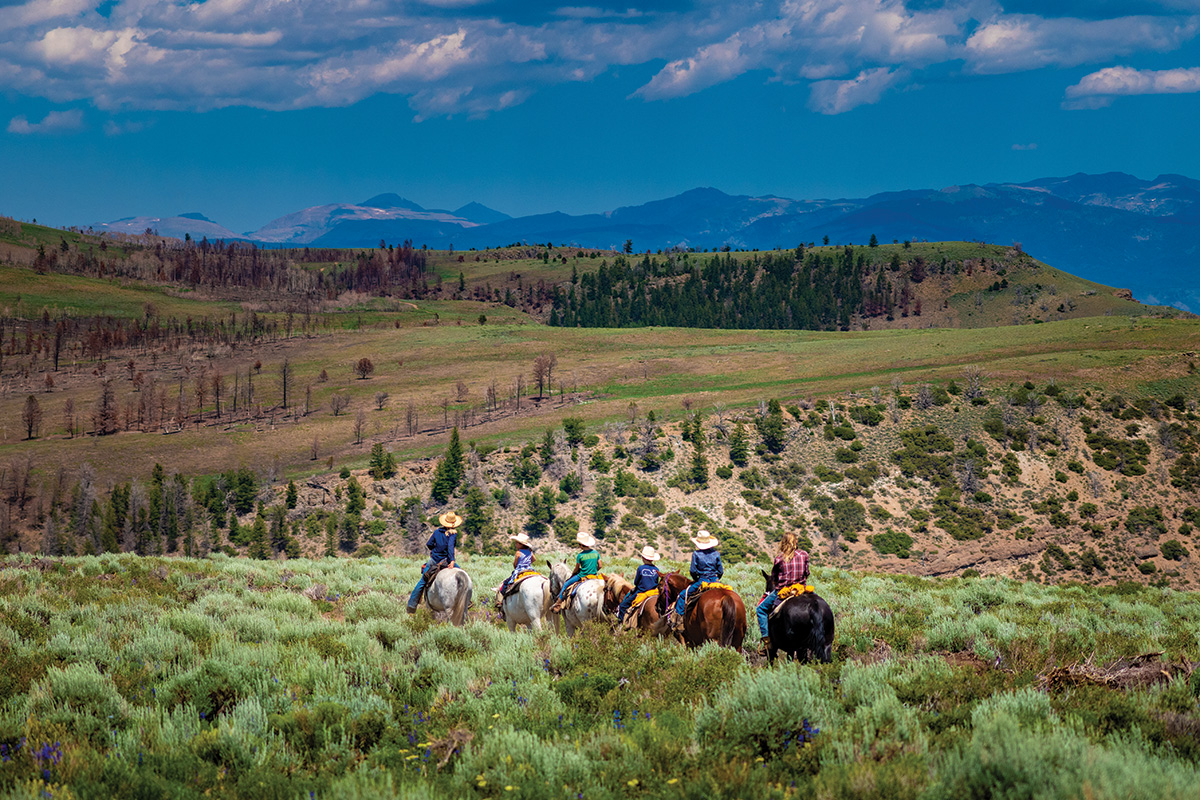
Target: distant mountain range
1113	228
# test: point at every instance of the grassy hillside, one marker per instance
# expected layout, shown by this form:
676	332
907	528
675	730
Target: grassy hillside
262	680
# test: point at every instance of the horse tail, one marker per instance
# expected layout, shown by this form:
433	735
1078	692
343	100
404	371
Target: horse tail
815	644
547	600
462	598
729	620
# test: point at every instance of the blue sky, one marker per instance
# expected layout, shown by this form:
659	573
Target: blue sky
245	110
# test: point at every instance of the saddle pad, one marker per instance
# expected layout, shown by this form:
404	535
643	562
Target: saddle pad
575	586
643	597
794	590
516	584
704	587
638	606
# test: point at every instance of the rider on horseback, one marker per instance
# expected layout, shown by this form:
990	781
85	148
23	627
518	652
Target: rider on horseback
706	566
441	548
791	567
586	563
522	562
645	579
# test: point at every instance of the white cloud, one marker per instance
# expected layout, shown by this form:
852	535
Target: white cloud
1098	89
467	56
837	97
54	122
1029	146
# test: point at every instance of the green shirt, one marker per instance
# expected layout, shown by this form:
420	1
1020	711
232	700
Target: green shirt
588	562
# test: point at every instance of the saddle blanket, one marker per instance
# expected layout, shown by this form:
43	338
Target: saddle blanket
704	587
516	584
795	590
575	586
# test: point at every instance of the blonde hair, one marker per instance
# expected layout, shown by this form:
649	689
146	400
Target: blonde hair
787	545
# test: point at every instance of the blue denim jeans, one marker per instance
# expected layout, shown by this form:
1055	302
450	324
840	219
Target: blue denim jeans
569	582
764	610
415	597
682	601
626	602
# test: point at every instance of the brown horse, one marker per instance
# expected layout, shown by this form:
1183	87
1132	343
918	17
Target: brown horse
718	615
615	589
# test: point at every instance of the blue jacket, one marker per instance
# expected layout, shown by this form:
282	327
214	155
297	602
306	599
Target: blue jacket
441	545
645	579
707	566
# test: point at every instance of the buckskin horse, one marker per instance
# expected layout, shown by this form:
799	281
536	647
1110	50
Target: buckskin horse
717	615
800	626
641	618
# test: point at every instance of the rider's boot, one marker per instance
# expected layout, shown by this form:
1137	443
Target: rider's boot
765	646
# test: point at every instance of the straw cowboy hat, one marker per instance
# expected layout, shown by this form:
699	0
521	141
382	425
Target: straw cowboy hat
522	538
704	540
450	520
585	539
649	554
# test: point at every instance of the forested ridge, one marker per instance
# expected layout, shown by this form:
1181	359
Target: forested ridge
803	289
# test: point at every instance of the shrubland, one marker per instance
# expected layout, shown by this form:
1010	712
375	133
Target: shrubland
222	677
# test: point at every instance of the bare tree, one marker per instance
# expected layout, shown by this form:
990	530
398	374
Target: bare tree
287	376
338	403
973	376
461	392
876	395
104	416
541	374
894	409
314	449
363	368
381	399
69	417
217	381
1096	484
925	397
519	389
307	399
201	391
445	404
31	417
632	408
489	395
48	383
410	418
969	477
360	424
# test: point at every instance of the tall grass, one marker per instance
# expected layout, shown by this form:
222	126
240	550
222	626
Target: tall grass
224	679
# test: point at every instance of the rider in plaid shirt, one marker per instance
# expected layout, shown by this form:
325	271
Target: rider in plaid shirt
791	566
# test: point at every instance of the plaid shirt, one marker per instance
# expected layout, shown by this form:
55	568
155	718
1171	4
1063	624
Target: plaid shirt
792	570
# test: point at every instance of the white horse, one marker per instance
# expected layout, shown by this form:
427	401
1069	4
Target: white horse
530	604
586	605
450	594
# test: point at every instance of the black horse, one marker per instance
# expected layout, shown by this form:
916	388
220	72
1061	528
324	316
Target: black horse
801	627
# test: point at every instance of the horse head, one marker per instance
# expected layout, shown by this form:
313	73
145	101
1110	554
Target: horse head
615	588
767	578
558	576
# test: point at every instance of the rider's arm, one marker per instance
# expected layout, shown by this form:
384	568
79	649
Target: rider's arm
450	548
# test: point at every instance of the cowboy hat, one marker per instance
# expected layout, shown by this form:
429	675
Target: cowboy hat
585	539
450	520
522	538
649	554
704	540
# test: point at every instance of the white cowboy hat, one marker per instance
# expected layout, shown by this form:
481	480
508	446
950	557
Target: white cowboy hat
585	539
450	520
649	554
522	538
704	540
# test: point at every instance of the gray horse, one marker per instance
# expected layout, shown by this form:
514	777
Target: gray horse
586	605
450	594
530	604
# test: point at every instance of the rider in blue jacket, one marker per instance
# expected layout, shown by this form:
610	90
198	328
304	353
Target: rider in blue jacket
441	548
644	580
706	567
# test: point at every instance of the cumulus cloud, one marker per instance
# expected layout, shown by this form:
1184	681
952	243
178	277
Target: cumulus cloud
1099	88
54	122
1029	146
480	56
836	97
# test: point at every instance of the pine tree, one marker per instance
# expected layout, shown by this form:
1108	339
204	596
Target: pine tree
258	539
604	506
292	495
331	526
699	470
348	538
547	449
477	519
449	472
355	499
739	446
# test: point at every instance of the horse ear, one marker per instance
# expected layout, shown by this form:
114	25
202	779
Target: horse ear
764	573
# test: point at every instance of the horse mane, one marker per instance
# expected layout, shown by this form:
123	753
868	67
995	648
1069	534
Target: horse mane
616	584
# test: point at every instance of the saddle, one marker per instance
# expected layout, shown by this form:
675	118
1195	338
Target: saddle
640	601
430	574
704	587
575	586
789	592
516	584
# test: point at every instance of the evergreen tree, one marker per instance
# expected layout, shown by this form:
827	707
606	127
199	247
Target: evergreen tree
258	539
699	471
547	449
279	534
331	526
356	501
604	506
348	535
477	518
382	464
771	428
293	495
539	510
449	472
739	446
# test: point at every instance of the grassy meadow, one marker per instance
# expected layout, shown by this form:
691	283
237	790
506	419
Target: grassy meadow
143	677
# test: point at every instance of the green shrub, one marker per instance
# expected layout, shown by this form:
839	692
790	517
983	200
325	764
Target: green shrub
892	541
1173	550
